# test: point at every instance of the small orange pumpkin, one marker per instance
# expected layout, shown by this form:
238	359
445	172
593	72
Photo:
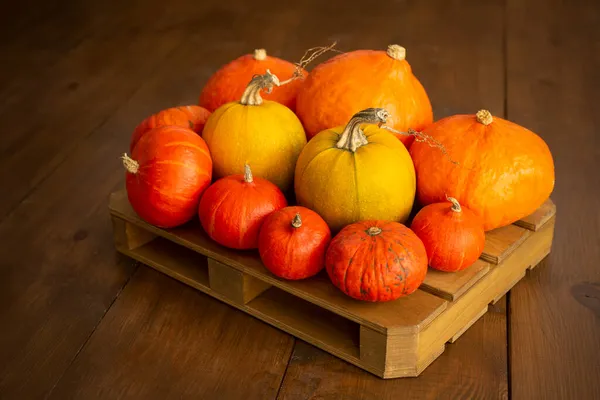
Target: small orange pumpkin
376	261
453	235
230	81
233	208
342	86
293	241
496	168
191	117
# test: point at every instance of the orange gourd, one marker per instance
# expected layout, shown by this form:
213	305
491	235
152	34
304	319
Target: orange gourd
230	81
496	168
233	208
376	261
453	235
192	117
340	87
167	172
293	241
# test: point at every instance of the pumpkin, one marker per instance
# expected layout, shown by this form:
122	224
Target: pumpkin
233	208
499	170
376	261
229	82
354	173
192	117
264	134
353	81
453	235
293	241
167	172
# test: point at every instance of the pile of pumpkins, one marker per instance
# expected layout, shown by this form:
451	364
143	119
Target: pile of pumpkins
261	139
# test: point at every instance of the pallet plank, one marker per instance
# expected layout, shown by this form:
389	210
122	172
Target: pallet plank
501	242
451	286
536	220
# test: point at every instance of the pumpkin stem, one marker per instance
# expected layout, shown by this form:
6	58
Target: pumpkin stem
251	96
297	221
260	54
248	178
130	164
484	117
455	204
374	231
396	52
353	137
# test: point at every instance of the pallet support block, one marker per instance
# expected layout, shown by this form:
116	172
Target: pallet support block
233	284
128	236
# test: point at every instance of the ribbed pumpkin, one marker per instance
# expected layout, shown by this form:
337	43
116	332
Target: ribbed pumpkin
192	117
376	261
293	241
353	81
356	173
233	208
504	172
167	172
453	235
264	134
230	81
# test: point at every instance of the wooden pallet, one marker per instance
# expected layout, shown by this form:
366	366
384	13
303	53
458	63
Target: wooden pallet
395	339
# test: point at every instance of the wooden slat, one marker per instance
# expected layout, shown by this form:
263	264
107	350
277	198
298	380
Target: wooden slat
409	312
451	286
501	242
553	89
162	340
536	220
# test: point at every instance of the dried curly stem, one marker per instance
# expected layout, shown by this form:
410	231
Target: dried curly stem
353	137
309	56
248	178
251	96
260	54
423	138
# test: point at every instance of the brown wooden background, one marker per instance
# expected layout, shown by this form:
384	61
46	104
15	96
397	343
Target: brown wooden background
79	321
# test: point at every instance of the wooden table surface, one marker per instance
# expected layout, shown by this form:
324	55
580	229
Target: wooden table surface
79	321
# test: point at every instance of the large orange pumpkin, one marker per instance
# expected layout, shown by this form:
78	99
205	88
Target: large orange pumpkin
192	117
293	241
453	235
350	82
376	261
230	81
502	171
167	172
233	209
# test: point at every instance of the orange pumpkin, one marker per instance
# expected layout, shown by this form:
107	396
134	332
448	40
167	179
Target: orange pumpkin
233	208
376	261
167	172
350	82
453	235
230	81
293	241
192	117
504	171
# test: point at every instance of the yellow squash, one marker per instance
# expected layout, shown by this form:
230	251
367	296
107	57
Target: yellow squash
355	173
264	134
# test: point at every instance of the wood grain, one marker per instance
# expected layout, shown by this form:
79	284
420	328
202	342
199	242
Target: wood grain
554	90
501	242
438	282
162	340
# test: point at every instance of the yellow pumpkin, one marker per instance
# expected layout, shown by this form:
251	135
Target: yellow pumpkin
264	134
354	173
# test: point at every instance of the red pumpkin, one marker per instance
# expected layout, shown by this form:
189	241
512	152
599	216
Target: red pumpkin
376	261
453	235
293	241
230	81
192	117
234	207
167	172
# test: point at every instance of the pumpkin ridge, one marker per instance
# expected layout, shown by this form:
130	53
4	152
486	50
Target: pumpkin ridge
401	264
313	159
170	195
369	252
356	185
187	144
345	280
214	214
170	162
